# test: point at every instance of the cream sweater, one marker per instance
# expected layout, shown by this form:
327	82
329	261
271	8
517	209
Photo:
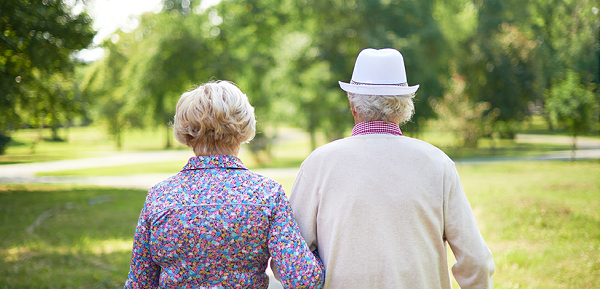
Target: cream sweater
380	209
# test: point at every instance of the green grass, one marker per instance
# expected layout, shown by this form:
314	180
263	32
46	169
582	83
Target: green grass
34	145
540	219
66	237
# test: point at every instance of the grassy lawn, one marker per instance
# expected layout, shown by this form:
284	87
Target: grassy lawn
34	145
66	237
540	219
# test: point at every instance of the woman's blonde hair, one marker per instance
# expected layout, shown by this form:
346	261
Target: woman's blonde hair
214	118
383	107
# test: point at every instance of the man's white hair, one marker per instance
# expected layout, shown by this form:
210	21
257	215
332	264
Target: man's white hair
215	118
383	107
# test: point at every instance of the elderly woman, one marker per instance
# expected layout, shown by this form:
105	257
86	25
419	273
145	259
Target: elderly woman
215	224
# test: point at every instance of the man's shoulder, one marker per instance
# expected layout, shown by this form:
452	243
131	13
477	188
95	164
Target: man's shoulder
351	142
332	146
361	144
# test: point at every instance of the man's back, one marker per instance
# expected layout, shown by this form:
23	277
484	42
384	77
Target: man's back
379	209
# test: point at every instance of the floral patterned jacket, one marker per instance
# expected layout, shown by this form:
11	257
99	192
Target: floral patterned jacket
214	225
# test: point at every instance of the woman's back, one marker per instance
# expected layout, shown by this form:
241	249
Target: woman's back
215	224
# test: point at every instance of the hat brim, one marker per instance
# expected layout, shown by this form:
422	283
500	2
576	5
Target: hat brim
378	89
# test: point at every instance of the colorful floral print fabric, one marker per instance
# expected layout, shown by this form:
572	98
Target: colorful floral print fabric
214	225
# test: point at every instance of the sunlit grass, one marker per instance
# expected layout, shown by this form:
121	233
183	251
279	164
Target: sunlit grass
66	237
541	220
34	145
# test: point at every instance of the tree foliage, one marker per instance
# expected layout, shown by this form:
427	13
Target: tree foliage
37	40
466	120
517	48
572	105
288	55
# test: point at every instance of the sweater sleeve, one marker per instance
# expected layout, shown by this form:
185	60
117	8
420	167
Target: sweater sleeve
143	272
305	204
474	266
298	267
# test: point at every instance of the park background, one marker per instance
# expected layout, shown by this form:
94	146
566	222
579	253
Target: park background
509	90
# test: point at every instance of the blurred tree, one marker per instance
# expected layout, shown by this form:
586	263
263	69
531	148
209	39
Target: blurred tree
38	38
236	40
498	61
232	41
466	120
245	34
53	100
572	105
567	39
517	48
105	87
174	58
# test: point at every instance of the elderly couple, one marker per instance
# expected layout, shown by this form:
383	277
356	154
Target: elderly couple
373	210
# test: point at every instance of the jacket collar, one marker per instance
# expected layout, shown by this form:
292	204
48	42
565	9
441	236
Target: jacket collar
214	161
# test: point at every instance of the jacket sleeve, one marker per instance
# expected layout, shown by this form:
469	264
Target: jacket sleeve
474	266
298	267
143	272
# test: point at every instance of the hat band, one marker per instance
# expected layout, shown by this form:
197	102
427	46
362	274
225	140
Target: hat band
361	83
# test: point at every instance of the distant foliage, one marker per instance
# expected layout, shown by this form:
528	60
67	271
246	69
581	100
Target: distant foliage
466	120
288	55
572	105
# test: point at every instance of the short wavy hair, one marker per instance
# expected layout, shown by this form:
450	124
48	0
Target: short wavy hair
214	118
383	107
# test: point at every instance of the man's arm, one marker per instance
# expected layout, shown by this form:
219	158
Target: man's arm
474	266
305	203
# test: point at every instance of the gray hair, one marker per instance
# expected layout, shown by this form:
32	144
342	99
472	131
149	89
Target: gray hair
214	118
383	107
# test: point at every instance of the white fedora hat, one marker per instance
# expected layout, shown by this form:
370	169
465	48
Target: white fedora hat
379	72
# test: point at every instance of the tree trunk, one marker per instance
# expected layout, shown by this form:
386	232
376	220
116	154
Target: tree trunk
119	139
168	146
313	140
55	136
574	147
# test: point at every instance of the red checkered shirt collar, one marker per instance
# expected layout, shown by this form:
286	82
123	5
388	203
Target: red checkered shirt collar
376	127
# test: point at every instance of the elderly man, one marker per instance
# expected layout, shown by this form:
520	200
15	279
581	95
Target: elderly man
379	207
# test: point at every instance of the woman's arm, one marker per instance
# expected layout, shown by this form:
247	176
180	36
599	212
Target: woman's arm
298	267
143	272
